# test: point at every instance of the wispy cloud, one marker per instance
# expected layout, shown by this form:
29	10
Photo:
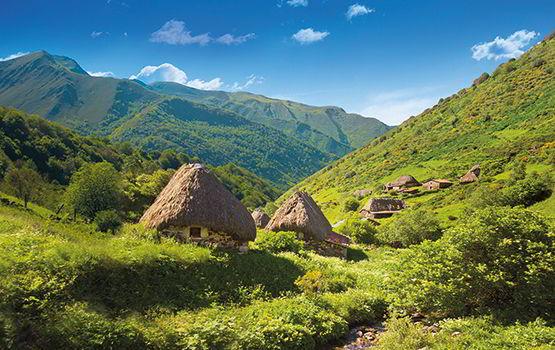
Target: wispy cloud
213	84
175	32
251	80
95	34
357	10
393	107
309	35
169	72
230	39
13	55
297	3
101	74
502	48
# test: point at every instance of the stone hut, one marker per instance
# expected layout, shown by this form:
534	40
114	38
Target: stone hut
261	219
471	176
378	208
301	214
437	184
195	206
405	181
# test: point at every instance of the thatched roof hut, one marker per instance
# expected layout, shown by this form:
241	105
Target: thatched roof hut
472	175
382	207
195	197
301	214
261	219
436	184
404	181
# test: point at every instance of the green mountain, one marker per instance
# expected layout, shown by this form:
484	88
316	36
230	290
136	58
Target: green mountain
328	128
278	140
57	152
503	120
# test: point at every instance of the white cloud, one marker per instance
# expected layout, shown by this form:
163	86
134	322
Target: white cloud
101	74
95	34
213	84
357	10
501	48
309	35
251	80
175	33
297	3
395	106
230	39
13	55
169	72
163	72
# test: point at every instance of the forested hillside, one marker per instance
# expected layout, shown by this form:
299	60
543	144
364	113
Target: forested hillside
54	153
278	140
503	122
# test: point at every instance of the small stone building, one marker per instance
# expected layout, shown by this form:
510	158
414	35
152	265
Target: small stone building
196	207
405	181
472	175
261	219
437	184
378	208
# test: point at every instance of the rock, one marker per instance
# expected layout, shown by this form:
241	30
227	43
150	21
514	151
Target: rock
455	334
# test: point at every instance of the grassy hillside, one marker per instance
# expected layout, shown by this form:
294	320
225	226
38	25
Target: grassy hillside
327	128
499	122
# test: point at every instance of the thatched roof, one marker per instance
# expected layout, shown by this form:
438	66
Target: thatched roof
300	213
337	238
404	181
472	175
261	219
194	196
376	205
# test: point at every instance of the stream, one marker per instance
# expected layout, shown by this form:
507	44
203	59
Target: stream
358	338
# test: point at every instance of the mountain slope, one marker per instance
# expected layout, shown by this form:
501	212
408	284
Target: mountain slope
502	119
284	152
220	137
329	127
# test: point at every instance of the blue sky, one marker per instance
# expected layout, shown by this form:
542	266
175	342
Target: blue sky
383	58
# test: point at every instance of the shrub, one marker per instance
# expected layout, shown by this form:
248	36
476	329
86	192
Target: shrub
412	227
496	259
528	191
361	231
480	79
277	242
108	220
351	204
311	283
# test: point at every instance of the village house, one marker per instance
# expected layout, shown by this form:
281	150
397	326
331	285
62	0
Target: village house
403	182
300	214
471	176
378	208
437	184
261	219
196	207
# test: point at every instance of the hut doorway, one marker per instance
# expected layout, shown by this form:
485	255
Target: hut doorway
194	232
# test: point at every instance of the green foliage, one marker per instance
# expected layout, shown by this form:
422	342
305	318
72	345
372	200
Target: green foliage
360	231
410	227
311	283
94	188
24	182
527	191
108	220
351	204
276	242
496	260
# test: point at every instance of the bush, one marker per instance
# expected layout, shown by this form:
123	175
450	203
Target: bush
108	220
351	204
528	191
411	227
496	260
277	242
360	231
